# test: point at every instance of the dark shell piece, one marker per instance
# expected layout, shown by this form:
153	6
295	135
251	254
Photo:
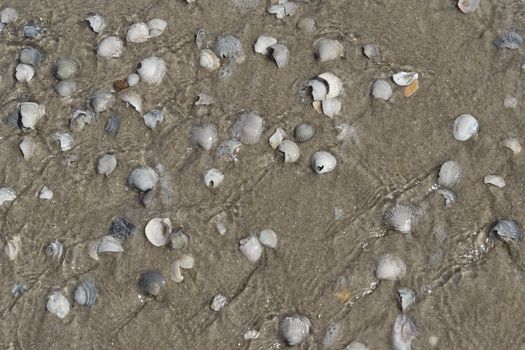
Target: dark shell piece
508	229
86	294
121	228
509	40
112	126
14	119
151	283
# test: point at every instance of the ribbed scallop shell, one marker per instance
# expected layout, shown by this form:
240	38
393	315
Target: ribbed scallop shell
106	164
86	294
151	283
248	128
289	150
110	47
263	43
329	49
101	101
323	162
55	249
280	54
509	40
400	217
390	268
204	136
304	132
468	6
137	33
508	229
156	27
158	231
294	329
152	70
31	113
67	68
335	85
142	179
30	55
209	60
449	174
230	47
133	98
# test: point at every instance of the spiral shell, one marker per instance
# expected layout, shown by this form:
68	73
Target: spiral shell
133	99
86	294
328	49
55	249
400	217
156	27
465	126
304	132
280	54
509	40
468	6
97	23
213	178
106	164
294	329
152	70
204	136
151	283
158	231
390	267
58	305
263	44
251	248
66	68
248	128
334	84
508	230
31	113
30	55
381	90
142	179
110	47
323	162
290	151
24	72
137	33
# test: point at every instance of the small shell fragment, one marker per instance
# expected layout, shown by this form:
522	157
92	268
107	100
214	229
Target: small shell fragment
404	78
331	107
55	249
209	60
510	102
187	261
405	298
24	72
86	294
65	140
12	248
110	244
277	137
112	126
334	84
307	25
204	136
106	164
31	113
251	248
219	301
27	146
132	98
133	79
513	144
411	89
156	27
121	228
97	23
494	180
101	101
213	178
153	118
7	194
229	47
45	193
390	267
323	162
58	305
179	240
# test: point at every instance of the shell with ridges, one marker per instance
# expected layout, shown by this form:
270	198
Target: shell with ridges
137	33
66	68
101	101
509	40
142	179
106	164
30	55
31	113
151	283
335	85
294	329
230	47
331	107
204	136
112	125
319	89
449	174
390	267
152	70
248	128
307	25
400	217
109	244
110	47
55	249
263	43
86	294
179	239
65	140
280	54
323	162
65	88
58	305
329	49
158	231
304	132
121	228
133	99
508	229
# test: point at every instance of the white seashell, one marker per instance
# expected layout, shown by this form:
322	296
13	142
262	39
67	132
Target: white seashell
465	126
329	49
294	329
319	89
468	6
110	47
381	90
390	268
251	248
230	47
403	332
97	23
187	261
204	136
371	51
334	84
133	99
8	15
55	249
137	33
405	298
323	162
248	128
307	25
510	102
45	193
92	249
7	194
152	118
142	179
213	178
290	151
101	101
156	27
64	139
133	79
58	305
158	231
494	180
355	345
304	132
251	334
110	244
65	88
263	43
449	174
284	8
106	164
86	294
280	54
31	113
209	60
448	195
152	70
24	72
12	248
331	107
268	238
401	217
179	240
404	78
277	137
219	301
513	144
509	40
66	68
27	146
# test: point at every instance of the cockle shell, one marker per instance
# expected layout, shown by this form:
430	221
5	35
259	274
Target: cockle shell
86	294
24	72
280	54
449	174
209	60
13	247
390	267
323	162
132	98
158	231
307	25
494	180
101	101
328	49
218	302
251	248
152	70
31	113
204	136
381	90
66	68
248	128
156	27
137	33
230	47
509	40
45	193
97	23
30	55
403	332
58	305
151	283
65	88
508	230
142	179
213	178
106	164
7	194
400	217
290	151
65	140
187	261
109	244
263	44
334	84
110	47
268	238
468	6
121	228
27	146
405	78
513	144
294	329
371	51
153	118
304	132
331	107
277	137
465	126
405	298
8	15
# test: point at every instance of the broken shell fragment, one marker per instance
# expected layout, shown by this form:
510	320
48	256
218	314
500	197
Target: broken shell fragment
508	230
151	283
294	329
112	126
280	54
27	146
97	23
187	261
411	88
58	305
468	6
334	84
263	43
158	231
448	195
31	113
45	193
509	40
513	144
209	60
110	47
121	228
319	89
400	217
204	136
106	164
219	301
268	238
510	102
109	244
465	126
405	298
137	33
12	248
152	70
329	49
101	101
390	267
86	294
229	47
142	179
371	51
403	332
494	180
304	132
24	72
153	118
213	178
251	248
282	9
323	162
79	119
55	249
381	90
404	78
277	137
331	107
133	99
7	194
289	150
64	139
248	128
179	240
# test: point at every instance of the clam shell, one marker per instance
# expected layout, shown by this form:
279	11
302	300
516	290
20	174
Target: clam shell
101	101
137	33
335	85
142	179
465	126
468	6
12	248
355	345
390	267
45	193
230	47
58	305
112	125
66	68
307	25
508	229
86	294
64	139
509	40
97	23
251	248
405	78
27	146
371	51
329	49
133	99
381	90
331	107
110	47
513	144
323	162
31	113
248	128
405	298
400	217
280	54
158	231
304	132
121	228
8	15
268	238
109	244
449	174
494	180
179	240
152	70
213	178
153	118
65	88
156	27
209	60
403	332
151	283
24	72
7	194
187	261
263	44
319	89
290	151
30	55
106	164
294	329
204	136
277	137
219	301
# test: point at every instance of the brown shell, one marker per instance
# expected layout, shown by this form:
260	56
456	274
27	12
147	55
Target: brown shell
411	88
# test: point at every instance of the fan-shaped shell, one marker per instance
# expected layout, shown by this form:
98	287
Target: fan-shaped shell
106	164
27	146
209	60
400	217
67	68
508	229
153	118
289	150
158	231
381	90
294	329
143	178
465	126
390	267
449	174
152	70
335	85
97	23
268	238
509	40
31	113
304	132
307	25
251	248
55	249
230	47
24	72
248	128
263	43
86	294
151	283
468	6
280	54
371	51
121	228
58	305
323	162
213	178
137	33
111	46
329	49
110	244
30	55
133	98
204	136
156	27
65	88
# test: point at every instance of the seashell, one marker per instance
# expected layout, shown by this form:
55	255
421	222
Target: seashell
319	89
65	88
97	23
228	149
179	240
58	305
132	98
101	101
449	174
381	90
86	294
371	51
133	79
209	60
152	70
66	68
30	55
110	47
329	49
403	332
251	248
106	164
510	102
137	33
280	54
509	40
158	231
156	27
204	100
332	333
331	107
121	228
468	6
508	229
187	261
404	78
494	180
213	178
79	119
27	146
31	113
263	43
465	126
12	248
14	119
152	118
277	137
201	38
45	193
230	47
355	345
268	238
109	244
390	267
121	84
282	9
294	329
289	150
411	89
219	301
248	128
92	249
334	84
448	195
33	30
24	72
400	217
323	162
405	298
7	194
251	334
513	144
18	288
8	15
112	125
307	25
221	229
304	132
64	139
204	136
151	283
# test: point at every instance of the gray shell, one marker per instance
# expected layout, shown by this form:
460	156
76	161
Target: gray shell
101	101
55	249
30	55
509	40
66	68
248	128
371	51
400	217
449	174
508	229
33	30
142	179
151	283
179	239
403	332
65	88
228	46
289	150
204	136
112	125
121	228
86	294
294	329
405	298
